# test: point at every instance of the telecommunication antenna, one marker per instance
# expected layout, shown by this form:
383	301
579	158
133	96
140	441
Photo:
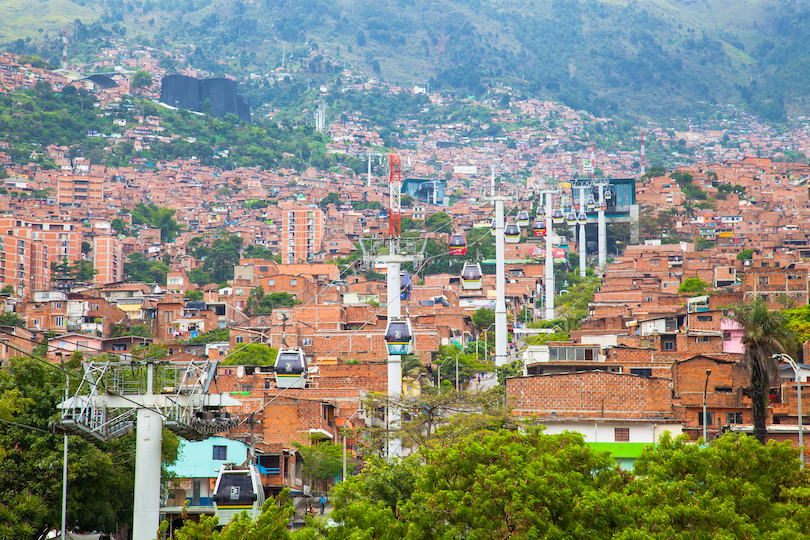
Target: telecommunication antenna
643	156
64	48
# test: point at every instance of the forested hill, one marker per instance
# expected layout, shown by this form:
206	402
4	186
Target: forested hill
657	58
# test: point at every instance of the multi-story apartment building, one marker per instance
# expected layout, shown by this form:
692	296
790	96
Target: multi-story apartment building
24	258
75	191
301	232
108	260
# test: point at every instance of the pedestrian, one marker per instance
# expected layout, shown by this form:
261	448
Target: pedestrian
322	500
311	511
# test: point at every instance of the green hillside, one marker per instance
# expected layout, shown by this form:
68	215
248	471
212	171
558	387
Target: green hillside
654	58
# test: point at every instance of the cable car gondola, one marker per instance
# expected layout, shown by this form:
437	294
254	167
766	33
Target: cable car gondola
291	368
405	286
567	206
608	194
541	211
237	491
523	218
399	337
571	219
539	227
471	277
511	233
458	244
601	206
591	202
492	227
557	217
582	219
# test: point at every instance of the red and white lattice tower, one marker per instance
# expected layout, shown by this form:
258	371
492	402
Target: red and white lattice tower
64	48
395	203
643	153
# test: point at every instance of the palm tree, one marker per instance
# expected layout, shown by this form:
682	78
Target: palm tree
764	333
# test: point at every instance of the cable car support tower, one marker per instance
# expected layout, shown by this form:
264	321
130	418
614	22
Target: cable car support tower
115	397
398	252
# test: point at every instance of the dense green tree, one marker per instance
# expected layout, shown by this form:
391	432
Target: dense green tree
160	218
331	198
745	255
322	461
483	318
139	268
11	319
439	222
141	79
218	260
259	303
251	354
693	285
765	332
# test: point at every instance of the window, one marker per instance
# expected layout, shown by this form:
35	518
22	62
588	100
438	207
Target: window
56	305
220	453
93	307
119	346
293	282
734	418
621	434
227	371
168	316
262	269
239	339
306	342
705	318
271	282
709	418
59	320
704	339
246	388
763	280
267	383
641	372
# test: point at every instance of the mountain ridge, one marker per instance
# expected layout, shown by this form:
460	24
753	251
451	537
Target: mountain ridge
651	58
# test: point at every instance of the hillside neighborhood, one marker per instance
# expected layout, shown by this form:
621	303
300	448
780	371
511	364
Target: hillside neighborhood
195	260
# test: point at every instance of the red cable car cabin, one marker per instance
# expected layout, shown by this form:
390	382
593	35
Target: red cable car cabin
458	244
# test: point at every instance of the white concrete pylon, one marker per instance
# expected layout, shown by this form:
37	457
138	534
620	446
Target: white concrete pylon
501	355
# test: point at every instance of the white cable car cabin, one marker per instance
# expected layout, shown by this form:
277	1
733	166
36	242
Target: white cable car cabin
539	227
557	217
458	244
541	211
582	219
471	277
567	206
399	337
236	491
511	233
571	219
523	218
591	204
291	368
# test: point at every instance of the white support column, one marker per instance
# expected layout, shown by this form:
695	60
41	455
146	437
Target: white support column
501	355
549	265
146	513
602	231
582	249
394	311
